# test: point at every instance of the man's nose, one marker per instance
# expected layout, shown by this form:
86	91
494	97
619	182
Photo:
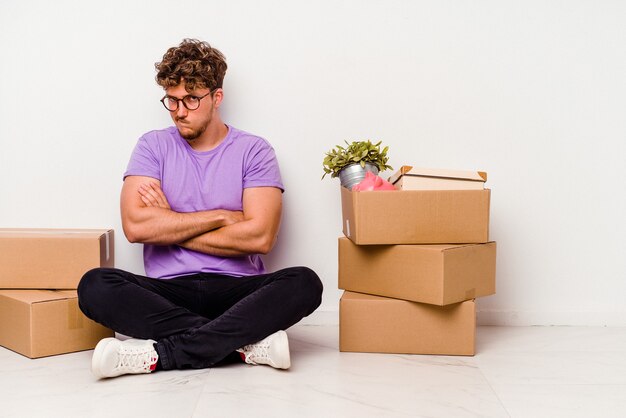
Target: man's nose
181	112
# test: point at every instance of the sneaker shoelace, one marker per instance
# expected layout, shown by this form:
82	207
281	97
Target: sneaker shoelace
136	360
258	351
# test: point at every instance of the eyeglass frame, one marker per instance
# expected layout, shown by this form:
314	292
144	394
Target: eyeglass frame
166	97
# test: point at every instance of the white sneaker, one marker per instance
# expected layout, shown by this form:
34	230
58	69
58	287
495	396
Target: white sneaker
113	357
273	351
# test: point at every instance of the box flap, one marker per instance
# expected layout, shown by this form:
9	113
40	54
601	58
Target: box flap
347	295
427	247
48	232
407	170
31	296
448	247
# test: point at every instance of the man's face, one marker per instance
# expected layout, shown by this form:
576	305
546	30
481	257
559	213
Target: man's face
192	123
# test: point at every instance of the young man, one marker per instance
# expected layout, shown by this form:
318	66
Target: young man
205	200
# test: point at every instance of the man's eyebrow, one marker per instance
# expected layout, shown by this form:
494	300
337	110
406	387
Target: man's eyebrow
169	96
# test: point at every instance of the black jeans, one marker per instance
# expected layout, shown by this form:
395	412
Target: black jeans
200	319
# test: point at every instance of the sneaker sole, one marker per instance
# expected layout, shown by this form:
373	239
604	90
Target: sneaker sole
284	354
97	354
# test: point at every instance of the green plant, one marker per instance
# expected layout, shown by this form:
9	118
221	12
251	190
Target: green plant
360	152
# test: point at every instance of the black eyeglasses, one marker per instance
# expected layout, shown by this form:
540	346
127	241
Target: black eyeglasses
190	101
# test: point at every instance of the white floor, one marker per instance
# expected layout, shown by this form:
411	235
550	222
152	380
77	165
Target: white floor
517	372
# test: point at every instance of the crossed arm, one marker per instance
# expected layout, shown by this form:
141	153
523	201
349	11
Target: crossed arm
148	218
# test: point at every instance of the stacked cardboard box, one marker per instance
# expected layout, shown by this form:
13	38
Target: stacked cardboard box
411	264
39	272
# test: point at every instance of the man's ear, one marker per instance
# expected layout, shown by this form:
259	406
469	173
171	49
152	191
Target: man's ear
218	96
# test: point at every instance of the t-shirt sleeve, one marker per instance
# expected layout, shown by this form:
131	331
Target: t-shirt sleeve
262	167
143	161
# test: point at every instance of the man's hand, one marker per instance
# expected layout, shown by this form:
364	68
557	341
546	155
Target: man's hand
153	196
231	216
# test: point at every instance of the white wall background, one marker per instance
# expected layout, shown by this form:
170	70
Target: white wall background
533	92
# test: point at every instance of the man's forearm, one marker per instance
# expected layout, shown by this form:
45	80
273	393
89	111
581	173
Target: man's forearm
159	226
235	240
222	233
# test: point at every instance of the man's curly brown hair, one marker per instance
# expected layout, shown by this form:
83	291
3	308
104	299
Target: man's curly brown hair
200	65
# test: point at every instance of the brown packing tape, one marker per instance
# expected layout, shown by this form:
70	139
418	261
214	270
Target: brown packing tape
107	249
74	315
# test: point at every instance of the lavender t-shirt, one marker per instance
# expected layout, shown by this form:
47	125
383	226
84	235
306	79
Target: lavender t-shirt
196	181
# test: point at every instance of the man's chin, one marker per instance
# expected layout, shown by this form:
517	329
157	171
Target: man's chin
189	137
188	133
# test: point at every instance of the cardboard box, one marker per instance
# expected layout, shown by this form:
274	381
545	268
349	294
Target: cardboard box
52	258
38	323
413	178
416	216
435	274
374	324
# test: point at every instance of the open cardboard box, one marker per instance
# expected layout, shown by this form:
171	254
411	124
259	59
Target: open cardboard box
416	216
439	274
52	258
374	324
39	323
